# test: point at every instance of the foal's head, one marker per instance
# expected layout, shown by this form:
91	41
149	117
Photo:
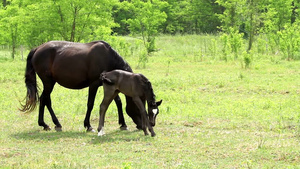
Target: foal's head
153	111
150	97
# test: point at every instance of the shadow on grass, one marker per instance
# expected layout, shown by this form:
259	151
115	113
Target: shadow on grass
114	136
121	136
49	135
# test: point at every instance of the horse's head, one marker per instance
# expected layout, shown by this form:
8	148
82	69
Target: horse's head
153	111
133	112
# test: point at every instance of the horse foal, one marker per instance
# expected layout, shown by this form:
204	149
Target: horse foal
133	85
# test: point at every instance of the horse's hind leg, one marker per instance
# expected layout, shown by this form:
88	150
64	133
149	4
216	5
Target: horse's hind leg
109	95
120	113
45	100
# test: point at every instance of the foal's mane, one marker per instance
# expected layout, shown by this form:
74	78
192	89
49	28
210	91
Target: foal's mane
150	96
120	63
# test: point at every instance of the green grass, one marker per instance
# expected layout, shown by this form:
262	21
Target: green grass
215	114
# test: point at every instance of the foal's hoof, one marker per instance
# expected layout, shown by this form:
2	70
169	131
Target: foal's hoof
153	134
58	129
47	128
101	133
90	129
123	128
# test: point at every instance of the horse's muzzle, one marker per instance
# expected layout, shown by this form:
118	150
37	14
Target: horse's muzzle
152	124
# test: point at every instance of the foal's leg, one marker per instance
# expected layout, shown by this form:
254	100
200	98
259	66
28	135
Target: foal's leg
120	113
109	95
91	99
145	120
46	100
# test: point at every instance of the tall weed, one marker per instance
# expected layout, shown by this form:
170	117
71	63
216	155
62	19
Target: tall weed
232	43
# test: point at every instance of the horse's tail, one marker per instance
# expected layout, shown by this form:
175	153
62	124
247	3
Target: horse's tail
32	96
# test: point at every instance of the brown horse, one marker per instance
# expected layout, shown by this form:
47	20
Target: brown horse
74	66
134	85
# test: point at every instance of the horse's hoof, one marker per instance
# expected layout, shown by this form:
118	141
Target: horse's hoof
123	128
153	134
90	129
47	128
58	129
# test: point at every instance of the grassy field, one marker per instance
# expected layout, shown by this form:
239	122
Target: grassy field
215	114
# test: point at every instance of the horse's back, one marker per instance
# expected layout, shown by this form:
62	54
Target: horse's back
127	83
72	65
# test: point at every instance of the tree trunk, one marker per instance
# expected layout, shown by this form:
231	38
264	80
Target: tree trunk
294	12
251	33
4	3
14	30
72	38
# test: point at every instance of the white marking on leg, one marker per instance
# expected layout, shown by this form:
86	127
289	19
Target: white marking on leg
154	111
101	132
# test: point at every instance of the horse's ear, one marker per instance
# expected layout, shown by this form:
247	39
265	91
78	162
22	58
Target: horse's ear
158	103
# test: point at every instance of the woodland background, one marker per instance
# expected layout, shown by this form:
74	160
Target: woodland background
271	24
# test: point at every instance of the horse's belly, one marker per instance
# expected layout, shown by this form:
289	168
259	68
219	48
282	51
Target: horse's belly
72	84
71	75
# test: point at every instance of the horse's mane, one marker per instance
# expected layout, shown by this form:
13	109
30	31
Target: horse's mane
150	96
120	63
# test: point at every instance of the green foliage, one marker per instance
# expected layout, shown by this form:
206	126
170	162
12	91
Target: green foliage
231	18
32	23
143	59
289	40
271	18
196	16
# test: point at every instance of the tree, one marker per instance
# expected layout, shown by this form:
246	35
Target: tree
253	17
11	26
146	20
83	20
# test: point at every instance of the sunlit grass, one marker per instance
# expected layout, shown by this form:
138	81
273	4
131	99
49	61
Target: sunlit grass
215	114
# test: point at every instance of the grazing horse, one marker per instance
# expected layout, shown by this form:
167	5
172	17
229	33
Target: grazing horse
74	66
134	85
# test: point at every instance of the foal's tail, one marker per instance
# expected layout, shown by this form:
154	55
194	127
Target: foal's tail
105	79
32	96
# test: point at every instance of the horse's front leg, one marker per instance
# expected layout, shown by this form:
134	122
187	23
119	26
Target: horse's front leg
91	99
145	120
